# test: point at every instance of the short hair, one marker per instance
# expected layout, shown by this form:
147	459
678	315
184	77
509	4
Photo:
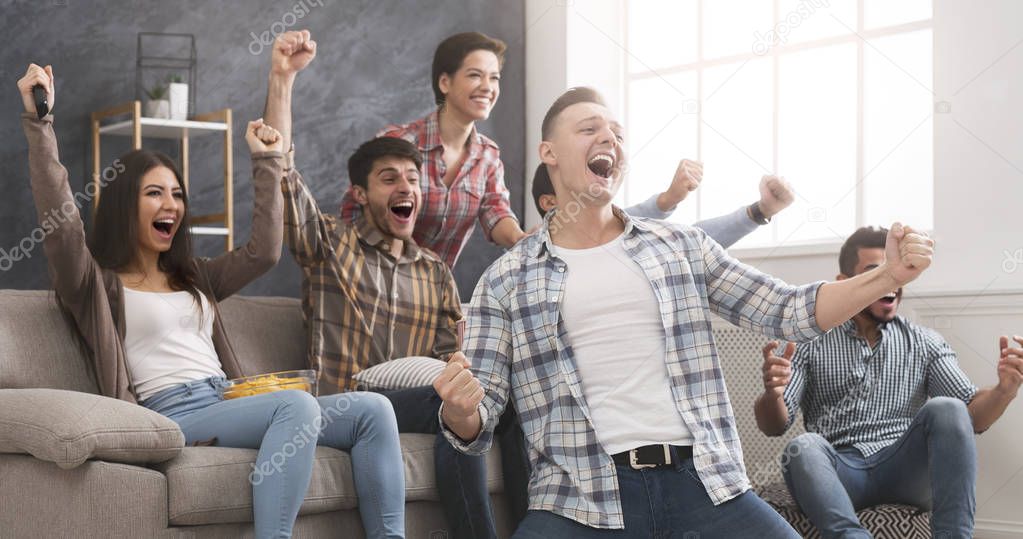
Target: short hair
571	96
542	185
868	237
451	52
360	164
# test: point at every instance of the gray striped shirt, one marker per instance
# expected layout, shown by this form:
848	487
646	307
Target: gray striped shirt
855	395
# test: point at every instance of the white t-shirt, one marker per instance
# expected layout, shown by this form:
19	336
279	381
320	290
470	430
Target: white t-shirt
614	324
164	341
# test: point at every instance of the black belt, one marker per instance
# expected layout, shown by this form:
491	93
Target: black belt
652	456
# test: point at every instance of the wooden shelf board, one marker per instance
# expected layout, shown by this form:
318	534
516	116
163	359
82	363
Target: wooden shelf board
162	128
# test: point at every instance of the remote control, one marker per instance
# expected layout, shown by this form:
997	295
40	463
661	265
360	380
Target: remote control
42	107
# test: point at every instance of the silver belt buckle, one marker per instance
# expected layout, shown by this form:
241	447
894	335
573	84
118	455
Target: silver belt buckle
637	466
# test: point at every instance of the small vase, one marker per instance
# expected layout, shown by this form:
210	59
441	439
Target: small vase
178	101
158	108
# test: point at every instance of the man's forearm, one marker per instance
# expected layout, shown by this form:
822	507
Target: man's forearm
771	413
838	301
987	406
278	106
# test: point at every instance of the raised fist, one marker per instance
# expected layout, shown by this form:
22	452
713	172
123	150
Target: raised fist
263	138
34	76
292	52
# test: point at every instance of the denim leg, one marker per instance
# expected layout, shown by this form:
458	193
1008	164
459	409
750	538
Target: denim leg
820	482
682	506
937	450
363	424
415	409
635	494
282	425
547	525
461	478
514	464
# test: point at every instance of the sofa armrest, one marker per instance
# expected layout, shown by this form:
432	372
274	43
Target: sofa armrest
70	427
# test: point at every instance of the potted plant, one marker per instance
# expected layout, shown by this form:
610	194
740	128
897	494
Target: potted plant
178	98
158	106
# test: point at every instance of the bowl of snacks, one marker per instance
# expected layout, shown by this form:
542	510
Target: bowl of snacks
303	380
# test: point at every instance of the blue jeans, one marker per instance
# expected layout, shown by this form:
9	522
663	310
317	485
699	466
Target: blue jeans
668	502
933	465
286	426
461	478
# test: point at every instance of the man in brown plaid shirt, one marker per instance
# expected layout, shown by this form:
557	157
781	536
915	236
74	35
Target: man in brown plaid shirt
370	294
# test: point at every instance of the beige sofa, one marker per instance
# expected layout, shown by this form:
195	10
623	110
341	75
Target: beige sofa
76	464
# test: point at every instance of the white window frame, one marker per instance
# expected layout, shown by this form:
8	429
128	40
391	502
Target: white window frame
775	52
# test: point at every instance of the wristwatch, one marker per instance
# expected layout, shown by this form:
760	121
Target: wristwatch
757	216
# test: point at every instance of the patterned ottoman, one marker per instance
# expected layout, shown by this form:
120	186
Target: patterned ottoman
884	521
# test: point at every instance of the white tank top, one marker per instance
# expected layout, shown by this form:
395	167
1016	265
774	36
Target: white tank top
166	340
615	328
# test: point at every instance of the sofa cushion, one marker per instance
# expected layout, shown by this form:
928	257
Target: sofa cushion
37	345
267	333
211	485
70	427
888	521
401	373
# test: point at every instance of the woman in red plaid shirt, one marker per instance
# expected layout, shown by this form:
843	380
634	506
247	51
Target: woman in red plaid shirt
462	177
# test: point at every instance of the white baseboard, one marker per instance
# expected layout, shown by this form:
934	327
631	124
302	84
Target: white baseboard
997	529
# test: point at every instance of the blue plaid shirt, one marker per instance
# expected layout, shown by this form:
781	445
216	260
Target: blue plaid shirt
519	349
856	395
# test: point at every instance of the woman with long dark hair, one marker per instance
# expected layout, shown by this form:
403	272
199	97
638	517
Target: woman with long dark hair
147	312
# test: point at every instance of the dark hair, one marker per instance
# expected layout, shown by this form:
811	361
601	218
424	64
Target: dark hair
868	237
542	185
448	57
113	239
360	164
571	96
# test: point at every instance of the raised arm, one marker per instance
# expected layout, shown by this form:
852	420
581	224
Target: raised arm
292	52
988	404
749	298
907	254
784	382
71	263
230	272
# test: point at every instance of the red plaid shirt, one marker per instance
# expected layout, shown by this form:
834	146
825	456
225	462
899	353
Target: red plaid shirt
448	214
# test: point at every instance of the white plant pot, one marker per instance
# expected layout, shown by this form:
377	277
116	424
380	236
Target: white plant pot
178	93
158	108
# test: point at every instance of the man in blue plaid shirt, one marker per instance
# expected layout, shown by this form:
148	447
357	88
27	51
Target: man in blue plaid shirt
890	415
598	328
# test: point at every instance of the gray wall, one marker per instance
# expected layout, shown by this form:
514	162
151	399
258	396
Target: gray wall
372	68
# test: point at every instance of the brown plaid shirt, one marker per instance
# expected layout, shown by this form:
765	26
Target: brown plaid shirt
362	306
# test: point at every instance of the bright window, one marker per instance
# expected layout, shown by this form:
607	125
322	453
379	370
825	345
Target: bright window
832	94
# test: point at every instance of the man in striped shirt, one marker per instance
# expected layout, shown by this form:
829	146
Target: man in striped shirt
889	414
371	295
598	329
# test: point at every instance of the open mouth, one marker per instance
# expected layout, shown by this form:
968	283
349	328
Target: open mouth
164	227
482	100
890	298
403	210
602	165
